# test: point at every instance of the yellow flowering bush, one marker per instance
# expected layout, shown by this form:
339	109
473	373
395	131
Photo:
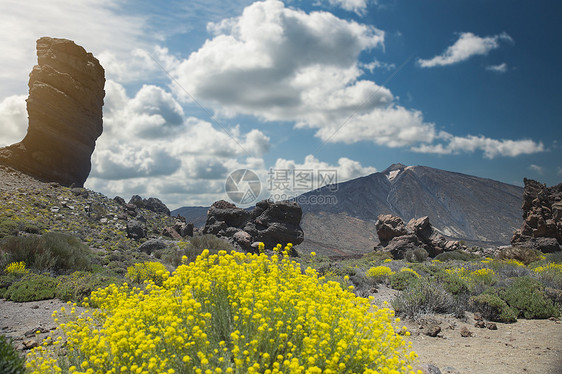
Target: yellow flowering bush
379	273
16	268
483	276
148	271
549	267
231	313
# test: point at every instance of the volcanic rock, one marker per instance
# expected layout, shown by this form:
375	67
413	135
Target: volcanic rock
64	106
397	238
152	204
542	215
269	222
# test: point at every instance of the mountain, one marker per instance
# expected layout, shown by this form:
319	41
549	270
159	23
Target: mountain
195	214
463	207
340	219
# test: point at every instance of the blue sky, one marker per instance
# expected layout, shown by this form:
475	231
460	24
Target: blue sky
198	89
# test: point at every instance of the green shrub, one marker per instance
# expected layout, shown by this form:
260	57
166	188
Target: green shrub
456	256
8	227
401	280
521	254
49	252
32	287
10	360
416	255
527	296
423	296
78	285
493	308
453	284
426	269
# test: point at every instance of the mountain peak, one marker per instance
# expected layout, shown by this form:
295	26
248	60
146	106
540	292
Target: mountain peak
394	167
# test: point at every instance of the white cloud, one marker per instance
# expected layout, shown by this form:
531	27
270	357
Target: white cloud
13	119
98	26
537	169
501	68
346	168
465	47
281	64
357	6
150	147
491	147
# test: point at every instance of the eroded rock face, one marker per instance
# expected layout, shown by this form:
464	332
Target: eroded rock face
270	222
542	215
398	238
64	106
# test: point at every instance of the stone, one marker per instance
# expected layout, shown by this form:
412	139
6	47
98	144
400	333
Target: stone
465	332
269	222
397	238
542	218
170	232
389	227
119	200
64	106
428	369
491	326
152	245
432	330
153	204
243	238
136	230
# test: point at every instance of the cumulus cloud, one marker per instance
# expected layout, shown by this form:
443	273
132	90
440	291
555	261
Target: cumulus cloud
357	6
345	169
149	146
98	26
501	68
465	47
490	147
13	119
282	64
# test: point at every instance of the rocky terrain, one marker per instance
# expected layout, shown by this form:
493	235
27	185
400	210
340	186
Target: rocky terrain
542	217
269	223
478	211
66	91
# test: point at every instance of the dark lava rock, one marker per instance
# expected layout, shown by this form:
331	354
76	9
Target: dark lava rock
152	245
64	106
152	204
542	215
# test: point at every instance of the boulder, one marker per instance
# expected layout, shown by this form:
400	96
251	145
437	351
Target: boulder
64	106
397	238
542	218
153	204
269	222
136	230
152	245
389	227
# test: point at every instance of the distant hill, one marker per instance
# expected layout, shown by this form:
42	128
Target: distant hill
195	214
477	210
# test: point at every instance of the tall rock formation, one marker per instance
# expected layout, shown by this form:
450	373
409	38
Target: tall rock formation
542	215
66	91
